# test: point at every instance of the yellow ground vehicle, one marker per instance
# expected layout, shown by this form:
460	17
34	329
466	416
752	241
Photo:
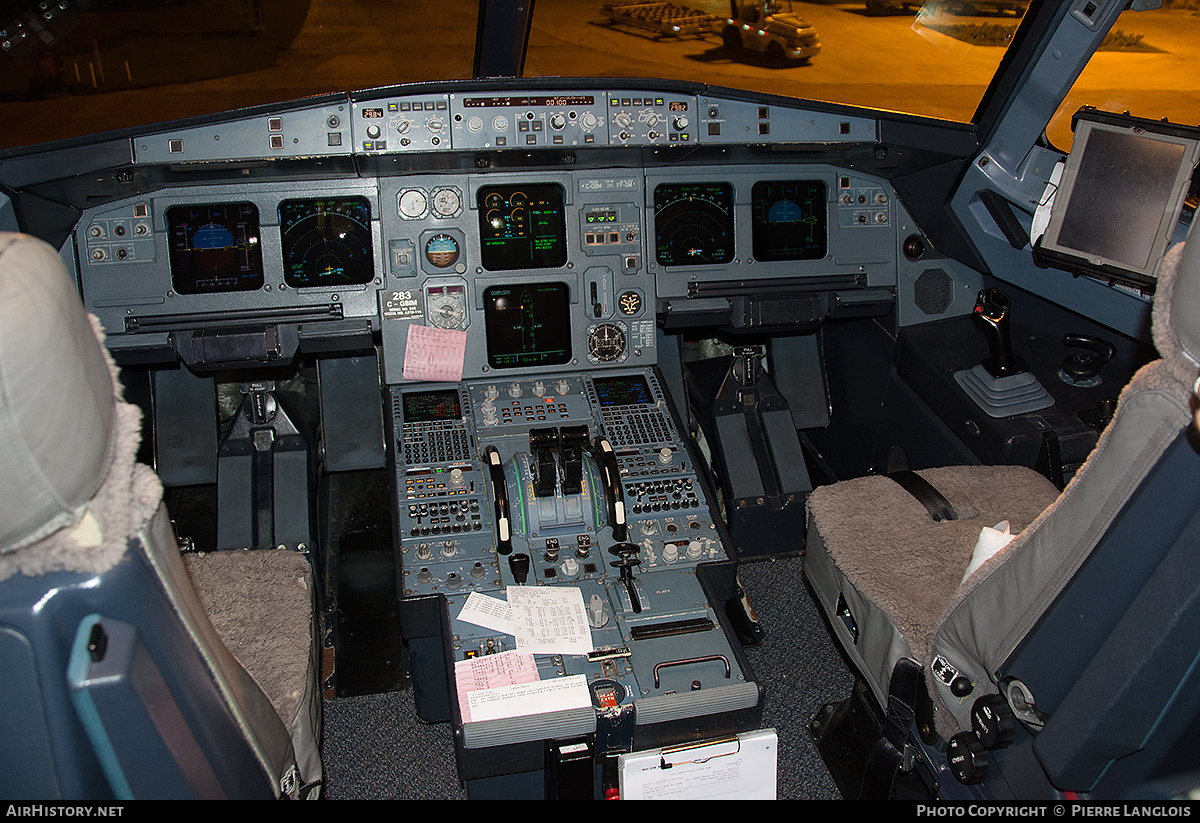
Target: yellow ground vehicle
665	19
770	28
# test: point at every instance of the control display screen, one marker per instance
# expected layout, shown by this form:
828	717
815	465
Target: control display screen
788	220
527	325
522	227
427	406
326	241
693	223
214	248
622	391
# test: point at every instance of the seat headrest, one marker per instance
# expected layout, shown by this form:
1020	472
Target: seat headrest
57	395
1176	323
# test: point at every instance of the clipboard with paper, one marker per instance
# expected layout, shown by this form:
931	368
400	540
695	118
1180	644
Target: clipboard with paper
733	768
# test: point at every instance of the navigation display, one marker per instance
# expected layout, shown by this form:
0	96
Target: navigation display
326	241
693	223
527	325
214	248
522	227
788	220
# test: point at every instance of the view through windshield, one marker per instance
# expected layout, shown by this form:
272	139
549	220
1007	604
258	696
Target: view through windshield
73	67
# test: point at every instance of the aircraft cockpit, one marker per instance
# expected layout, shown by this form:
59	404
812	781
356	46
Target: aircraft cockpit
725	400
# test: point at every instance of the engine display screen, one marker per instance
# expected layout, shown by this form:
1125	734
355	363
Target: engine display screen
522	227
622	391
788	220
214	248
693	223
527	325
326	241
428	406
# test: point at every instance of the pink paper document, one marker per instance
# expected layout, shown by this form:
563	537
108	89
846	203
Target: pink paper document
490	672
435	355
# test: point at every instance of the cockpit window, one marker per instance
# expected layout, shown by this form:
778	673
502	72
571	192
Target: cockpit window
1148	65
930	59
75	67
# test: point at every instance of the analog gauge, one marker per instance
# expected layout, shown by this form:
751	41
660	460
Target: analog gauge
413	204
446	306
606	343
447	202
442	250
630	303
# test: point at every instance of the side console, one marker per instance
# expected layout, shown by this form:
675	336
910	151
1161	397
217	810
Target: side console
574	479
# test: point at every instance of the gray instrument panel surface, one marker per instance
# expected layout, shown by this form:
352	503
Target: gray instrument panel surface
611	266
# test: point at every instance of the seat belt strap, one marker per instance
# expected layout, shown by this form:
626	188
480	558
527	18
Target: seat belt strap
935	503
887	756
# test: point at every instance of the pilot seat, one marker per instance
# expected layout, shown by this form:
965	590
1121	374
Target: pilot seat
131	671
1064	664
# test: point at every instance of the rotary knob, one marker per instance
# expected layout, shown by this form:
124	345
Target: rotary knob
967	758
992	721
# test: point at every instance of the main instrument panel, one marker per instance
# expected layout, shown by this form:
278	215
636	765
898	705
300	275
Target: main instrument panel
584	257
